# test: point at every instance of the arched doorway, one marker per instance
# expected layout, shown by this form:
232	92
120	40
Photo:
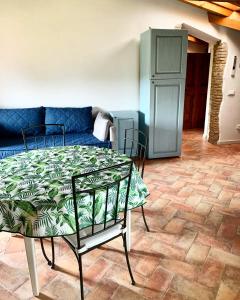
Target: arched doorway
218	56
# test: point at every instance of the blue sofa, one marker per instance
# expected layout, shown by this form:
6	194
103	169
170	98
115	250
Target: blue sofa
78	124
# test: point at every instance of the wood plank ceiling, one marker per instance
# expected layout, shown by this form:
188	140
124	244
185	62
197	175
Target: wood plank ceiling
223	13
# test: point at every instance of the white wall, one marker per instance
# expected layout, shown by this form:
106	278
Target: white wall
230	108
76	52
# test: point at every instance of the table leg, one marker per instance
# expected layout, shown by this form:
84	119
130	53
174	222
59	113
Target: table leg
128	230
32	264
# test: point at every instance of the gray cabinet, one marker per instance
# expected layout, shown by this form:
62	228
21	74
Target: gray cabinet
124	120
163	56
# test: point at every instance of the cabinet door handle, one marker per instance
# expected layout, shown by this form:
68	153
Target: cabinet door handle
153	75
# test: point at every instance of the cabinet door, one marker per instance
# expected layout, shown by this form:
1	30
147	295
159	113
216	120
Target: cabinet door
166	115
168	53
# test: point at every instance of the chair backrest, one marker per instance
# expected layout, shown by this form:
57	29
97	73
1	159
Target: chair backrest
34	136
136	148
106	193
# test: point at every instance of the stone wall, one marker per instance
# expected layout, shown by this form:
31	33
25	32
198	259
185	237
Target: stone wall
216	94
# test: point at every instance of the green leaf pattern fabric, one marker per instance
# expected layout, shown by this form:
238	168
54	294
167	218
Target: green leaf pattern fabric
36	191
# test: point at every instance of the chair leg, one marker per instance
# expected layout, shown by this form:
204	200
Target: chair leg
53	253
50	263
144	219
81	276
127	258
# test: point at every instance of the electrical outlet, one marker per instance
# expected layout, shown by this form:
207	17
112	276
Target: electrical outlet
231	93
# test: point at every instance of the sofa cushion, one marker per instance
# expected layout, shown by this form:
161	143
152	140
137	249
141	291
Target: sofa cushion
101	127
85	139
75	120
15	143
13	120
13	146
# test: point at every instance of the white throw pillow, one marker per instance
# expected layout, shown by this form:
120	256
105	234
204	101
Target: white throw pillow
101	126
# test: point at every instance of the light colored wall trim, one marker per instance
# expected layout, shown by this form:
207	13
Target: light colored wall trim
207	115
228	142
199	34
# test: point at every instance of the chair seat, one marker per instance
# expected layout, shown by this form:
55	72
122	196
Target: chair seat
96	239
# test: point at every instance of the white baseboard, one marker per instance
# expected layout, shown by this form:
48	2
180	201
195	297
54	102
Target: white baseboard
205	137
228	142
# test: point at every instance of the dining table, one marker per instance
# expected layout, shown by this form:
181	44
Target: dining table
36	194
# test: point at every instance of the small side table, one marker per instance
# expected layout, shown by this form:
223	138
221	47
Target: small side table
122	120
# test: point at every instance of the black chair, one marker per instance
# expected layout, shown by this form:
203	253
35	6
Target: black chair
135	146
33	139
111	187
34	136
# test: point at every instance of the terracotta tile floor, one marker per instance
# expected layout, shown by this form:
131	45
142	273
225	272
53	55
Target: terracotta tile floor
192	251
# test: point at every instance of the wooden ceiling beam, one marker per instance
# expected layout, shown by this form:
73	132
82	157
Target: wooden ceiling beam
234	2
223	13
193	39
224	21
228	5
210	7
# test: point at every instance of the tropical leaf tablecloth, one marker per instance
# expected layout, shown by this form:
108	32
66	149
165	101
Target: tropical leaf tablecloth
36	192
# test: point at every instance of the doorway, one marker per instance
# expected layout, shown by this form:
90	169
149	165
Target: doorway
197	78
